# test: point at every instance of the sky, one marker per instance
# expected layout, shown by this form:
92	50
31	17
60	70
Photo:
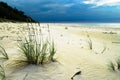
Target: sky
69	10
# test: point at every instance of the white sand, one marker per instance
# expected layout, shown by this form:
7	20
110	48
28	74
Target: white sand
73	53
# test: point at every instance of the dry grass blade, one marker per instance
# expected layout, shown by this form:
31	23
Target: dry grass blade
52	51
3	52
90	42
111	66
44	51
25	76
103	50
2	73
118	64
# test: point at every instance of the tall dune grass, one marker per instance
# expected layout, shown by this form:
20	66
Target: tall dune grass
35	48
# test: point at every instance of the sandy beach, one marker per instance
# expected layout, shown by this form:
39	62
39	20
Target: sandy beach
73	52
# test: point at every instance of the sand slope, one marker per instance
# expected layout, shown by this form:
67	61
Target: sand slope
73	53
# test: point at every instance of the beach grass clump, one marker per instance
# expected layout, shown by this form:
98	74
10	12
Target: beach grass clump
111	66
118	64
90	42
66	28
2	73
115	67
3	52
35	48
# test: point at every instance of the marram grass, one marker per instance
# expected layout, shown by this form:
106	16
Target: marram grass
35	48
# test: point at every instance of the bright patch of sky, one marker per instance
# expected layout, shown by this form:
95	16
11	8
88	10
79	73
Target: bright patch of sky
98	3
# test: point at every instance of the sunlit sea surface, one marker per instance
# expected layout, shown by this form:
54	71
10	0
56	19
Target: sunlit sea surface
112	25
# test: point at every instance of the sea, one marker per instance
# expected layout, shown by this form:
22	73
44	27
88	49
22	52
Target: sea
111	25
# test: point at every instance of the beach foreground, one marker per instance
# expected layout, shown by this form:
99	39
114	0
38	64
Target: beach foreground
86	49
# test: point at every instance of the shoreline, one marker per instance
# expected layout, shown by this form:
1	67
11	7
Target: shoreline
79	24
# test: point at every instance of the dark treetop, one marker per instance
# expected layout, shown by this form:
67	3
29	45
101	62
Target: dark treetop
7	13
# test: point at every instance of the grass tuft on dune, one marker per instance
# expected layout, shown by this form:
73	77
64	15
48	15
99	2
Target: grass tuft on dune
35	48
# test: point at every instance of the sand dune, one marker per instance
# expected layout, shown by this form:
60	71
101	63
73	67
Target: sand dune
73	53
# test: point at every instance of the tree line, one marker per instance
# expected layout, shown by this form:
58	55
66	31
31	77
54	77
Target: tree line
7	12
